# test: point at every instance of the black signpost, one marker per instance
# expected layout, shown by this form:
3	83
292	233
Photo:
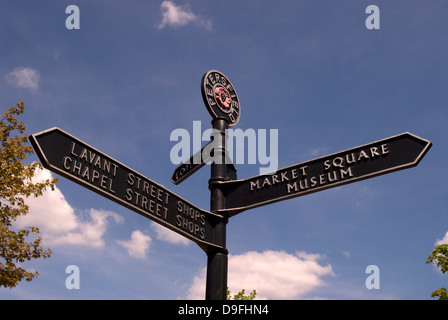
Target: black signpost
83	164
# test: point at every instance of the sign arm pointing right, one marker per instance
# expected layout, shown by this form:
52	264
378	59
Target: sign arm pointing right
363	162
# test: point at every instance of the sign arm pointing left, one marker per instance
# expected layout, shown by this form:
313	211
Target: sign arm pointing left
72	158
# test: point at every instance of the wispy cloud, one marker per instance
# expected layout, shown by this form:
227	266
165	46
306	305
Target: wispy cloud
138	245
318	151
178	16
167	235
24	77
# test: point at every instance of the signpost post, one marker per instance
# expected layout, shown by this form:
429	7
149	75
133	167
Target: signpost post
70	157
217	260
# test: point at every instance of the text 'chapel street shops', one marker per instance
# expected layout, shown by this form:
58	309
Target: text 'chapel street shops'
83	164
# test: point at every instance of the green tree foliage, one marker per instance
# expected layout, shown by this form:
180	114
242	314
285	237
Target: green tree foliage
240	295
440	257
15	186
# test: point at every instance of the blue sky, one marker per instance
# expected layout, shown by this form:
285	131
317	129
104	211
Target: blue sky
311	69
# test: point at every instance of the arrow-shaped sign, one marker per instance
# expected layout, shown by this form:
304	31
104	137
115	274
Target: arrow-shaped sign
196	162
85	165
363	162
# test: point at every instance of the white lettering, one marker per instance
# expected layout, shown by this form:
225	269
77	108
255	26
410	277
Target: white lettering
373	281
373	21
182	146
272	160
72	21
73	280
236	146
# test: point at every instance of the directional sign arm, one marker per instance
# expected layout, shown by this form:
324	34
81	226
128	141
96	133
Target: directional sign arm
197	161
363	162
72	158
187	168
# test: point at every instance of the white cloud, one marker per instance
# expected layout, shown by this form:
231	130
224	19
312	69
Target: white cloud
444	240
58	222
177	16
24	77
167	235
138	245
273	274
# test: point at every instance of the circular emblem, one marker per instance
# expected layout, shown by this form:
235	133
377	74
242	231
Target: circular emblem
220	97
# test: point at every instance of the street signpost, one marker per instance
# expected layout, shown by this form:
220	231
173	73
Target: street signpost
70	157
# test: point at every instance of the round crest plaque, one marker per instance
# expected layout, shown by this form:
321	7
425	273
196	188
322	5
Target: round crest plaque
220	97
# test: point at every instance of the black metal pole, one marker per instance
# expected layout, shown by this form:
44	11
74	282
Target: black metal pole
217	259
